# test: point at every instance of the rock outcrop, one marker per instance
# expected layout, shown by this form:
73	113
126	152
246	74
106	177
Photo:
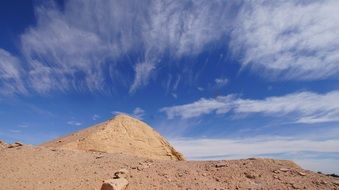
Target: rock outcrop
122	134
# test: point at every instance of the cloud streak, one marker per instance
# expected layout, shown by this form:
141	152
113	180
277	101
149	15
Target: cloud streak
293	40
81	46
306	107
84	45
296	149
10	74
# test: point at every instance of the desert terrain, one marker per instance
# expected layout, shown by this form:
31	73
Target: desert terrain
72	162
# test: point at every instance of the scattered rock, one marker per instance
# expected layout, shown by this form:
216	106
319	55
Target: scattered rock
123	173
336	183
294	186
284	169
302	173
250	175
99	156
16	144
220	165
252	159
114	184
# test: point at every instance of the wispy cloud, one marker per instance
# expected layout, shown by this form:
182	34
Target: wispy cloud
289	39
95	117
209	148
10	74
74	123
277	147
78	47
142	75
81	47
306	107
221	104
138	113
221	82
15	131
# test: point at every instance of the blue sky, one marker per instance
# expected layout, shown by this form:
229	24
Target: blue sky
220	79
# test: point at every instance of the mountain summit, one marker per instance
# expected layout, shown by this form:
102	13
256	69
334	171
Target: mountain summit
122	134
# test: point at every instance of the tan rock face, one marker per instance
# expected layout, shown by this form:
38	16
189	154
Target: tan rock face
115	184
122	134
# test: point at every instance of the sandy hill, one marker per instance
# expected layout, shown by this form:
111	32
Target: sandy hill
122	134
40	168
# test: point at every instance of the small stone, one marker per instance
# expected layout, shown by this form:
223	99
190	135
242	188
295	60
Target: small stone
220	165
123	173
99	156
115	184
204	174
251	159
302	173
294	186
323	182
249	175
180	174
16	144
284	169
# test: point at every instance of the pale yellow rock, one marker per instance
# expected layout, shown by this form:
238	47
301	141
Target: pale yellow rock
122	134
115	184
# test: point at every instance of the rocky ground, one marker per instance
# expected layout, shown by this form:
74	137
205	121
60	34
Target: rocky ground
39	168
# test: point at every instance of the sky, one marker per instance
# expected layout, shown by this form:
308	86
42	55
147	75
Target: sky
219	79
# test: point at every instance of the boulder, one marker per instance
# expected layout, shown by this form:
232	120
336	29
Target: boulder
123	173
115	184
16	144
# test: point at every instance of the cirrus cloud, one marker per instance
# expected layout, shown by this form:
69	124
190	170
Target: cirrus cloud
307	107
289	39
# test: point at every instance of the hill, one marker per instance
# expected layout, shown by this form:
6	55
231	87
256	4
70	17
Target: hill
122	134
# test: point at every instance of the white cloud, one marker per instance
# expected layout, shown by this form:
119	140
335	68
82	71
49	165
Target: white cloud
95	117
10	74
138	113
259	147
220	82
23	125
203	106
79	46
289	39
143	72
198	148
306	107
15	131
74	123
200	89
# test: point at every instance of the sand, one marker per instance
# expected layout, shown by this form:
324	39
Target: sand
122	134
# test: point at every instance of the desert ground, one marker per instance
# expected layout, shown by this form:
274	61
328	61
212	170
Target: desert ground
53	166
